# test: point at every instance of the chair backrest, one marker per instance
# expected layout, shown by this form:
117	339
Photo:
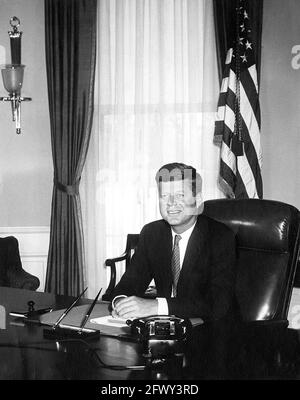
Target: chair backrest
267	234
12	273
131	244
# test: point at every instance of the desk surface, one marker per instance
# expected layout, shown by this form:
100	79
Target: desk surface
25	354
215	351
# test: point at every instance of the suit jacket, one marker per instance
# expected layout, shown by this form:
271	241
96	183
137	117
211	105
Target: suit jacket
206	282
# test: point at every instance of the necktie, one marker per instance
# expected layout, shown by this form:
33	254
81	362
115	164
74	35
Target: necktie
176	263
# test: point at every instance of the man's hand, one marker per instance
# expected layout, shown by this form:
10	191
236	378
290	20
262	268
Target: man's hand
135	307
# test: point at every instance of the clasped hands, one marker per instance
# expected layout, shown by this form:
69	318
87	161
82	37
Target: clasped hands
134	307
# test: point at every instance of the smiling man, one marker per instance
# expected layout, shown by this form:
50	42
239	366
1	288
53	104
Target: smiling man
190	256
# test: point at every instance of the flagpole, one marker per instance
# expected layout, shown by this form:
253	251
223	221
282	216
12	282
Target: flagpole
237	140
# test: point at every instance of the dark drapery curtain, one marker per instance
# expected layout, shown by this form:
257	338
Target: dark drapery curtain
70	27
225	27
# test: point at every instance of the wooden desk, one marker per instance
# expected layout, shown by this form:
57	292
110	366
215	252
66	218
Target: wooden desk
25	354
215	351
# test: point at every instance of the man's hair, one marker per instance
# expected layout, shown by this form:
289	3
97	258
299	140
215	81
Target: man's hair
179	171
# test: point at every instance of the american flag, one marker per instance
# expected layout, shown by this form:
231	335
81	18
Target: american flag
237	125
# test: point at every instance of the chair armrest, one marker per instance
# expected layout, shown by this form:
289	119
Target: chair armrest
281	323
21	279
111	262
273	327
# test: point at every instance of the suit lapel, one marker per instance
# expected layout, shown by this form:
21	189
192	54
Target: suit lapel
168	268
164	255
194	250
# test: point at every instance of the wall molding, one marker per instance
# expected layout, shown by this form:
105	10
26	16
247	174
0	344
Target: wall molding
24	229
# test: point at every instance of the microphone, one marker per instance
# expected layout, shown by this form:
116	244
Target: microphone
59	332
89	311
63	315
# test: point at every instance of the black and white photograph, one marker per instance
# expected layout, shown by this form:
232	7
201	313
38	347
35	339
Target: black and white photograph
149	193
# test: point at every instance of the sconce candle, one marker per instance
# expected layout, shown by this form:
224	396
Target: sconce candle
15	41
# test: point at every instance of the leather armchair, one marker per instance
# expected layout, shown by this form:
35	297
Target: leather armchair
11	272
267	234
268	241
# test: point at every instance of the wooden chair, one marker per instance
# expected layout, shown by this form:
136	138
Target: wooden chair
131	244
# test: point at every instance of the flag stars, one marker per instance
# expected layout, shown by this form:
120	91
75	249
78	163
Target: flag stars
244	58
242	27
241	40
248	45
245	15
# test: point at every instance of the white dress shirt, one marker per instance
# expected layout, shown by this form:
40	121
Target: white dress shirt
163	308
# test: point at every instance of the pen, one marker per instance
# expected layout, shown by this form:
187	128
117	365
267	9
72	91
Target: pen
68	309
88	313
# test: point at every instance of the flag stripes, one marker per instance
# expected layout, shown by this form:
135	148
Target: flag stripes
237	125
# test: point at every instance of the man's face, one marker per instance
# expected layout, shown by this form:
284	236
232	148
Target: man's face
177	204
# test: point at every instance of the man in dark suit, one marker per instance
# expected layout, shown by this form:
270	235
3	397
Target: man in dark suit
190	256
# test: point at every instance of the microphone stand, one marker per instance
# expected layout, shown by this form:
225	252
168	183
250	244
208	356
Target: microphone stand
59	332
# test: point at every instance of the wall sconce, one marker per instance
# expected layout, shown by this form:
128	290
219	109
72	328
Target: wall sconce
12	74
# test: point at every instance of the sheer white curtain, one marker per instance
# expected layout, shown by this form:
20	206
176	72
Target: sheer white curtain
155	101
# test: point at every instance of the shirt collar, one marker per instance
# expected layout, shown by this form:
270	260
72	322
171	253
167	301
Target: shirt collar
186	234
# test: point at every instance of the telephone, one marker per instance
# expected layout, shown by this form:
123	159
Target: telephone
161	335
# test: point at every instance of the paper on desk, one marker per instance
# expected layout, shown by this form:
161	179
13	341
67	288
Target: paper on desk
99	314
108	320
